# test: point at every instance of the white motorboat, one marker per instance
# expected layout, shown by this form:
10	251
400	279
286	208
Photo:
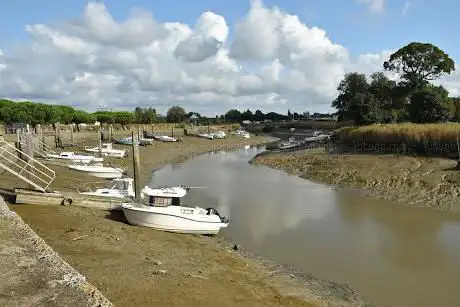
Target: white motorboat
206	136
71	156
317	138
165	138
117	188
164	212
108	150
246	135
98	170
219	135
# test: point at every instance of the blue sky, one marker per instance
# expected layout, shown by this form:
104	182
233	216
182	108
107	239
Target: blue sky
347	22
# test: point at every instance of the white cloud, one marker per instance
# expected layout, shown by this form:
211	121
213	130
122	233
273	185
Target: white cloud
273	62
407	5
374	5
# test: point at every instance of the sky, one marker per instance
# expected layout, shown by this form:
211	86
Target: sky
209	56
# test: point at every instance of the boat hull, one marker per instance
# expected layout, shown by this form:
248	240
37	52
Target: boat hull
171	222
116	173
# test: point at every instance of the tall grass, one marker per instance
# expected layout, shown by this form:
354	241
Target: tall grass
437	139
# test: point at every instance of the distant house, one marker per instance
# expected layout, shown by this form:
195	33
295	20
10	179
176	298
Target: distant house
13	127
194	120
246	122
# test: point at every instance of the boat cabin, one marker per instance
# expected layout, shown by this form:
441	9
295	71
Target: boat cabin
163	197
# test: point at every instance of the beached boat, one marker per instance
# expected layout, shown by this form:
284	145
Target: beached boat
161	210
219	135
98	170
317	138
73	157
206	136
117	188
108	150
162	138
245	135
129	141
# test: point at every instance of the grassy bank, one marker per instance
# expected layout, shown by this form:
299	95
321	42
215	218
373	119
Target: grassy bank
137	266
424	139
408	180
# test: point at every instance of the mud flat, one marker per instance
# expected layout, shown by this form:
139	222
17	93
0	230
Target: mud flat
409	180
33	274
136	266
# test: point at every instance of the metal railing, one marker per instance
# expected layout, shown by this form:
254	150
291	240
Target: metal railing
26	168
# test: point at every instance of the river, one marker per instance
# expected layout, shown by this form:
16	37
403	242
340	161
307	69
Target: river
395	256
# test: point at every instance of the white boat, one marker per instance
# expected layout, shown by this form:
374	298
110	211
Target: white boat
206	136
99	171
219	135
317	138
165	138
71	156
164	212
108	150
117	188
246	135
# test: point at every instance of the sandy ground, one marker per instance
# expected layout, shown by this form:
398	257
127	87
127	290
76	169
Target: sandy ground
135	266
33	274
408	180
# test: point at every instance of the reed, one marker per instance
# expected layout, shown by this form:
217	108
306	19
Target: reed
437	139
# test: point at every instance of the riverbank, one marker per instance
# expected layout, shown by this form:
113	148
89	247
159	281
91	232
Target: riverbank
136	266
33	274
409	180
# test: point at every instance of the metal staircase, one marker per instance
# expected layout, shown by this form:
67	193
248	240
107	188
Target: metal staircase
26	168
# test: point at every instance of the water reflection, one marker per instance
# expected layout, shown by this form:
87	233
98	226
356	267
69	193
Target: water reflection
395	256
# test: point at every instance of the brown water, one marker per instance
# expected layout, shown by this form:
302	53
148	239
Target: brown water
395	256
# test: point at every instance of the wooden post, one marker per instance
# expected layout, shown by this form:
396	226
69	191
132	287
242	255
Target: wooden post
137	186
172	131
29	150
110	132
458	152
99	139
71	134
209	129
138	134
152	128
57	137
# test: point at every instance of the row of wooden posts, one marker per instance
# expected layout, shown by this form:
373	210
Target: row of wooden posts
27	147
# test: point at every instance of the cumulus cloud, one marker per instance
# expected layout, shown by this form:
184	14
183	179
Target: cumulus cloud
273	62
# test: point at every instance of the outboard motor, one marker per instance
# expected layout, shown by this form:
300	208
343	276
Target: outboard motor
211	211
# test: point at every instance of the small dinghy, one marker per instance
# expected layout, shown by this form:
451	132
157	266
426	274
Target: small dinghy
73	157
108	151
164	212
98	170
206	136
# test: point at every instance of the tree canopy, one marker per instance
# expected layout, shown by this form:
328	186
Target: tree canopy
419	63
175	114
378	99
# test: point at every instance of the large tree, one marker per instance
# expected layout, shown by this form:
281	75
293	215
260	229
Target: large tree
175	114
430	104
419	63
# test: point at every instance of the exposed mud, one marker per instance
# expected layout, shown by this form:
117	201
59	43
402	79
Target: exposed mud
408	180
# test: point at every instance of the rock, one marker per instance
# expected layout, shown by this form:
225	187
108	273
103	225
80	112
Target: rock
158	262
160	272
235	247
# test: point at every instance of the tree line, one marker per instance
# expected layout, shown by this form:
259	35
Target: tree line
39	113
413	98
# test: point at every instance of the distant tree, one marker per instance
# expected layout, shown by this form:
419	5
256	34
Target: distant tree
455	101
353	98
419	63
175	114
233	115
259	116
430	104
289	115
247	115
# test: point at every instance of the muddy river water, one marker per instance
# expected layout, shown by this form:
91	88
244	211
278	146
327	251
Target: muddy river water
395	256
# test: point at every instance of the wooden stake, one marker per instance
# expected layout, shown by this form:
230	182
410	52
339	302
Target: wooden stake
71	134
137	186
99	140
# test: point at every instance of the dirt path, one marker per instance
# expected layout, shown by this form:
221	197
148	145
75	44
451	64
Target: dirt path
409	180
